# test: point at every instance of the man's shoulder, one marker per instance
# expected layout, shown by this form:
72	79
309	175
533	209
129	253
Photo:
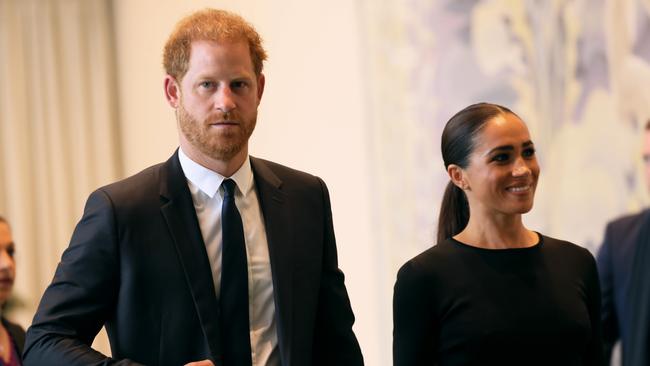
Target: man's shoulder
271	170
629	221
144	187
140	192
141	181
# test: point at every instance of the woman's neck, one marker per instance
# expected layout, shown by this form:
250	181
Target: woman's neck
497	232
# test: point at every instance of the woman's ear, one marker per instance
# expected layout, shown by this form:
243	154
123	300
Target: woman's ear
457	176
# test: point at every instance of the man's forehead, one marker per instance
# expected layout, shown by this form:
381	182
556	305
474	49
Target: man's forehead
208	57
220	42
211	49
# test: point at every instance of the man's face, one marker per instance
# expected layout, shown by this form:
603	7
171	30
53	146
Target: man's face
646	157
219	96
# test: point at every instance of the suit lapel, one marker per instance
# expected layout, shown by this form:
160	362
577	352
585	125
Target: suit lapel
273	202
178	210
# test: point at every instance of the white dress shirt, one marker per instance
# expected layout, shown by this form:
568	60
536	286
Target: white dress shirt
207	195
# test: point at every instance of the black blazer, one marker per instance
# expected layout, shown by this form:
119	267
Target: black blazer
17	334
137	264
625	285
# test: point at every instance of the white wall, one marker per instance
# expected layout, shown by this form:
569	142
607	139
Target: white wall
312	117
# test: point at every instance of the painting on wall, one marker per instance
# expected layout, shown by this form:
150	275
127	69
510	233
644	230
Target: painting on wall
576	71
579	82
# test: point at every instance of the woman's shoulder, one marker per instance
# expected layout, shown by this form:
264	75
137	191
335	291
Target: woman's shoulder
562	245
431	260
424	275
566	250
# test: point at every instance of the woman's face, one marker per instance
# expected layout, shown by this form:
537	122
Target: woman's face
502	173
7	264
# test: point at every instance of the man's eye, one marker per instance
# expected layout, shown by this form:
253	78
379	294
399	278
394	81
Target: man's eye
237	84
529	152
206	84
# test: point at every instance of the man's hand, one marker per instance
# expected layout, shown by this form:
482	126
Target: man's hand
200	363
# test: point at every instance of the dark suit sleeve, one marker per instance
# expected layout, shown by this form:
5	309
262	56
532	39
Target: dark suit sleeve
82	294
414	341
334	341
608	309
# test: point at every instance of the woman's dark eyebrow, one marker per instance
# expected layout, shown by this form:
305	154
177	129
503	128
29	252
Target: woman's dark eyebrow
509	147
500	148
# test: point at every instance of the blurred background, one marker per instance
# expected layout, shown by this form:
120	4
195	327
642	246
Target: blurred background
357	93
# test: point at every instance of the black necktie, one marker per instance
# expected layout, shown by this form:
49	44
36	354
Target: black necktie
234	283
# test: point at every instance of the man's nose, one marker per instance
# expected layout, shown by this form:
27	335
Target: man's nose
225	99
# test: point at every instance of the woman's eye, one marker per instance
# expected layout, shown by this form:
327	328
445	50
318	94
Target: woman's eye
529	152
501	158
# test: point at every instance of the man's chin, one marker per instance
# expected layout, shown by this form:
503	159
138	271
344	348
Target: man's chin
224	154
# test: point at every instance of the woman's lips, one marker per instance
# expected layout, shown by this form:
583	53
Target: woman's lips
519	189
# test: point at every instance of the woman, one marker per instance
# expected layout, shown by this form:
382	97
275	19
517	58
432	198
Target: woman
493	292
12	336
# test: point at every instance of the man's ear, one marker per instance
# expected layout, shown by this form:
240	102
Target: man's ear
457	176
261	80
172	91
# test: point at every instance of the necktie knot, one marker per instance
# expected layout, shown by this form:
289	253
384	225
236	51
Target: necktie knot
229	187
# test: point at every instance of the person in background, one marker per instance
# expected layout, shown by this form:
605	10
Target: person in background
213	257
624	266
493	292
12	336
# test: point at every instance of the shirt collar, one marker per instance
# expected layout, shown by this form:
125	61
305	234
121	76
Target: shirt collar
209	181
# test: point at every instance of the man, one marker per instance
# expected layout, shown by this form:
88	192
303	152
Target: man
212	257
624	267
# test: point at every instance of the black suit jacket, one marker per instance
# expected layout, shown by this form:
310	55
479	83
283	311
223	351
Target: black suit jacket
137	264
624	267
